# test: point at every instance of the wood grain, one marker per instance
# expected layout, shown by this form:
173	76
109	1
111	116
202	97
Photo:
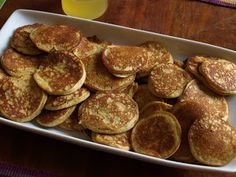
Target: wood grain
183	18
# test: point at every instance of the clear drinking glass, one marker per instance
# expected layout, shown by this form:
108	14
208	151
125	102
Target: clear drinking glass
89	9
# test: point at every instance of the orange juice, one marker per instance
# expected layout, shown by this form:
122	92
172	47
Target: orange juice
90	9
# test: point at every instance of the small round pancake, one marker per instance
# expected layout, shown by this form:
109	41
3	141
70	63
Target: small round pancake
216	105
98	78
109	113
53	118
158	135
168	80
153	106
21	99
157	55
88	47
212	141
220	75
60	74
56	37
72	123
193	64
186	113
65	101
21	40
121	140
123	61
143	96
16	64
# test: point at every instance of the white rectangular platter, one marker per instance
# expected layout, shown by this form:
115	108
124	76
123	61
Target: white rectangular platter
180	49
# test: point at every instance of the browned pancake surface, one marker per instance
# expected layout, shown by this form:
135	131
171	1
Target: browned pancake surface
21	40
216	105
108	113
56	37
212	141
158	135
168	80
60	74
16	64
123	61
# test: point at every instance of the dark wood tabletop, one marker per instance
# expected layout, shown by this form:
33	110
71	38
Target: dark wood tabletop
183	18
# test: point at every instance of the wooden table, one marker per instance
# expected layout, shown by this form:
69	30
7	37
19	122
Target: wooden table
184	18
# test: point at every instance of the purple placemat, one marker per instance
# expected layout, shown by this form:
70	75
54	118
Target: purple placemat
7	170
227	3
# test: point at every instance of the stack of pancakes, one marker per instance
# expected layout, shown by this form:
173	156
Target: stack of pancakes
131	97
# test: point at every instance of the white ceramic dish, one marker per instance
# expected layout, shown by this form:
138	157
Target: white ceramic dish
180	48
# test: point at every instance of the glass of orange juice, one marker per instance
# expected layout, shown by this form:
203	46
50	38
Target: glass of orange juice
89	9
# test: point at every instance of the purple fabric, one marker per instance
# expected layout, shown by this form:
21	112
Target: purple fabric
222	3
7	170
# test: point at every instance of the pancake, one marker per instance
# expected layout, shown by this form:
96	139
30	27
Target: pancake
153	106
220	76
157	55
216	105
21	41
158	135
72	123
212	141
100	79
124	61
16	64
64	101
193	63
89	46
186	113
121	141
53	118
143	96
56	37
109	113
60	74
168	81
21	99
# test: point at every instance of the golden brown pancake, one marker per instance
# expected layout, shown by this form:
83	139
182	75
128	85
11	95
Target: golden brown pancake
121	140
153	106
157	55
56	37
168	80
220	75
109	113
143	96
72	123
60	74
64	101
16	64
53	118
100	79
216	105
158	135
186	113
123	61
21	40
89	46
21	99
193	64
212	141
